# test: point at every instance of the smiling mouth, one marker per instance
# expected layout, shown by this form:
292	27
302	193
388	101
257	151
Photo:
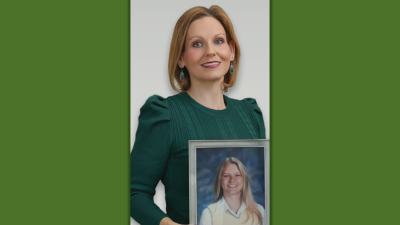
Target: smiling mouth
210	64
232	186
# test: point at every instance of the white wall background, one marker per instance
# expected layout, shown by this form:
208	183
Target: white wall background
152	24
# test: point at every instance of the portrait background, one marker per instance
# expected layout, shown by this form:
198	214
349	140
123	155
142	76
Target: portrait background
152	25
208	161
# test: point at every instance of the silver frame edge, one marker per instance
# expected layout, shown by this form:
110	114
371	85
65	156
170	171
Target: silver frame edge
193	145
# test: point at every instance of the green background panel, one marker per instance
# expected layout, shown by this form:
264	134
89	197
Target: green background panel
64	87
64	112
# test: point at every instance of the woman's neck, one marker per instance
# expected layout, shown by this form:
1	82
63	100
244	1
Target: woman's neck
209	95
234	201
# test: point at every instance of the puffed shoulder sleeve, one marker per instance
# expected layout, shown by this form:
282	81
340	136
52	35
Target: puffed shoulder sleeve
149	158
258	116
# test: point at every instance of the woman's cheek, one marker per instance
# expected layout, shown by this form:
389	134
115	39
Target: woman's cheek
224	181
193	53
225	51
188	55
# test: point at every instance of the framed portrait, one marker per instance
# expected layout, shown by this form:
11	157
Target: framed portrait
229	182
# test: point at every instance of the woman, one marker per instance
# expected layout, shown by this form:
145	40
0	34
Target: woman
234	203
203	63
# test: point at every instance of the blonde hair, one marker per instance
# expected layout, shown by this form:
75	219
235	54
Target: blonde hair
246	195
178	45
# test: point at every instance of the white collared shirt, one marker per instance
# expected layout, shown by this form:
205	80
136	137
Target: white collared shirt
222	206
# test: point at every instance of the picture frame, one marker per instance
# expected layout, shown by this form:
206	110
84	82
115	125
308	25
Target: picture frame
205	159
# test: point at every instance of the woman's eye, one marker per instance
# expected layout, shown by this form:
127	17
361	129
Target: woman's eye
226	176
237	175
197	44
219	41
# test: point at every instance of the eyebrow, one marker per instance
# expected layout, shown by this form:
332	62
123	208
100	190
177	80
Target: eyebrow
201	37
233	173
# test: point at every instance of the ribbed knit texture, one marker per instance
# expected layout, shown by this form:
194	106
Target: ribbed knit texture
160	151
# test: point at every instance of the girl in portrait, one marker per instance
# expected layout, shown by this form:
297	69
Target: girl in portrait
234	203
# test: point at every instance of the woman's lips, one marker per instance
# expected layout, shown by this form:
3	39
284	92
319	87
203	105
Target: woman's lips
232	186
211	64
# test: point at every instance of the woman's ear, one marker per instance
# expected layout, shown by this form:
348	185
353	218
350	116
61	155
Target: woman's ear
232	48
181	64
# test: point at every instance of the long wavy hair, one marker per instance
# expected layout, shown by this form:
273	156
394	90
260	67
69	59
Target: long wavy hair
246	196
177	47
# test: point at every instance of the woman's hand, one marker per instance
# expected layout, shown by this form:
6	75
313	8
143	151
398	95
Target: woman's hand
167	221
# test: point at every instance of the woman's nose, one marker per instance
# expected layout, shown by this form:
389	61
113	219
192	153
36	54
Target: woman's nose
210	51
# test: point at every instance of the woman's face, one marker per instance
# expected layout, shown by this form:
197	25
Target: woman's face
207	54
232	180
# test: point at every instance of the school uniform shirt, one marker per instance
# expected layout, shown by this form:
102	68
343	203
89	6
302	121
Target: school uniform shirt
219	213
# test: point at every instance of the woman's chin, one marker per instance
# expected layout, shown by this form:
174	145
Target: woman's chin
212	78
232	192
213	75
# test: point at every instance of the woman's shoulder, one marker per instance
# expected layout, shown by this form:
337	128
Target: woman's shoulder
155	108
248	102
210	207
164	102
251	101
157	105
206	215
156	100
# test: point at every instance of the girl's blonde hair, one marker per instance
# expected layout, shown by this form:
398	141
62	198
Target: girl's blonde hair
178	45
246	195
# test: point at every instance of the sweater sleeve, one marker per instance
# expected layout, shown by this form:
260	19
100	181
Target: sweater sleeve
149	158
258	116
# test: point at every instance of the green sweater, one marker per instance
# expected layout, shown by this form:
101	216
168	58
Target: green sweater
160	151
